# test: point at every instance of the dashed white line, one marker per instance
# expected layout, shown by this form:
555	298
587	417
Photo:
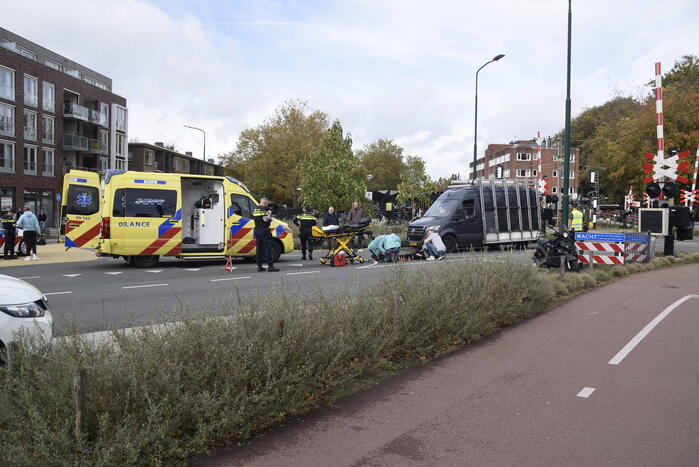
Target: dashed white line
191	269
29	277
302	272
114	273
646	330
154	271
585	392
295	265
143	286
230	279
71	275
58	293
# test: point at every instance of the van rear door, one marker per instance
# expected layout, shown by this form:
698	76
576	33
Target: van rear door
81	208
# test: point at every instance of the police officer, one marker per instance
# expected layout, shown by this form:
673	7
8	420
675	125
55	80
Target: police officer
576	219
263	236
8	224
306	221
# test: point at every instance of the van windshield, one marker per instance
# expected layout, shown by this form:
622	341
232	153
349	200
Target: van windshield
443	206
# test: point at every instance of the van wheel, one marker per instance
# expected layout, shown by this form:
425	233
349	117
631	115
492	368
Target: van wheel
145	261
276	251
450	243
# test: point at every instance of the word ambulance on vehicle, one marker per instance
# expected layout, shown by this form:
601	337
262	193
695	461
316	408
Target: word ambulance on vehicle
141	216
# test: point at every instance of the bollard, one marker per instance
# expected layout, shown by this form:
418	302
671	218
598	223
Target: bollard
589	258
396	303
79	384
563	264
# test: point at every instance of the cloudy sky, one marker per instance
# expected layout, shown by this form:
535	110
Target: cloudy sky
400	69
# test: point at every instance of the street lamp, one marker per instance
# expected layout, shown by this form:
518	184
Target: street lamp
195	128
475	119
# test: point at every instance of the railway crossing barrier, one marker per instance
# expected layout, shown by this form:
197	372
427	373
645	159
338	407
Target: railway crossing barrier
612	248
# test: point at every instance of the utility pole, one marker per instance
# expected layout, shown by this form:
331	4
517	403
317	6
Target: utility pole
475	118
203	132
566	155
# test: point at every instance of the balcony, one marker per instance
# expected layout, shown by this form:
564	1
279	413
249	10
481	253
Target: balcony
82	143
76	111
98	118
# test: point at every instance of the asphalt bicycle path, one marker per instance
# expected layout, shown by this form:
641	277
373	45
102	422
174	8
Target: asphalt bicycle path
586	383
104	293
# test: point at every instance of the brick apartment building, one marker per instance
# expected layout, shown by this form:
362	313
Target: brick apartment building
55	114
157	157
519	160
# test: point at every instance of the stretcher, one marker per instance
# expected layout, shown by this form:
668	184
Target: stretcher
340	238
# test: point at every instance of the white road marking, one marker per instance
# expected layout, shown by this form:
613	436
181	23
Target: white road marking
585	392
191	269
646	330
71	275
230	279
303	272
114	273
58	293
154	271
296	265
368	265
29	277
143	286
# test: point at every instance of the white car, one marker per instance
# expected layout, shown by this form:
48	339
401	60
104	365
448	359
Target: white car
22	307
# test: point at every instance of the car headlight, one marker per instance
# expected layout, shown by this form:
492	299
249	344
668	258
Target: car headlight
565	234
28	310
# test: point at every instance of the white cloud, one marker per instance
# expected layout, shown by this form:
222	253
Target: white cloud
392	69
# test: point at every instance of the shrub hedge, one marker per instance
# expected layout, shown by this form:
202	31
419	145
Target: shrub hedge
158	397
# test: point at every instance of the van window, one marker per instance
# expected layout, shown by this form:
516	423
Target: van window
141	202
83	200
444	205
242	206
468	207
119	205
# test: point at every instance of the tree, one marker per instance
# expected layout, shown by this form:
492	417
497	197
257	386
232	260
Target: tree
267	157
383	161
415	185
332	175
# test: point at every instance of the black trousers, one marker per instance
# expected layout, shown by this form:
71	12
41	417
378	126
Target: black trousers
306	242
264	249
30	241
9	247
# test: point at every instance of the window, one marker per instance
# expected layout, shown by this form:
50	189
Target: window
572	157
104	114
104	138
120	164
30	160
7	83
121	119
572	174
554	190
7	157
241	206
48	98
73	73
554	174
181	165
121	145
466	210
47	161
83	200
26	52
104	164
119	204
7	120
88	80
30	125
524	156
38	200
149	157
54	65
7	198
31	91
101	85
499	160
523	172
49	136
572	190
143	202
534	173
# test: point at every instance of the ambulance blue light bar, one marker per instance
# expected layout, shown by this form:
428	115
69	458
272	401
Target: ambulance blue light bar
78	180
151	182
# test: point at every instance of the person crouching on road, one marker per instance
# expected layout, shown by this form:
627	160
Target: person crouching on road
392	247
305	221
376	247
30	224
8	223
263	236
434	246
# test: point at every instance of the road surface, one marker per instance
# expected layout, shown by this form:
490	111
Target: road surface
608	378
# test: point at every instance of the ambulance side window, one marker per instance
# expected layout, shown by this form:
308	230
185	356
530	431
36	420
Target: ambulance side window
143	202
83	200
119	206
241	206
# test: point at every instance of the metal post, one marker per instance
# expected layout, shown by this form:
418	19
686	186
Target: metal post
203	132
566	155
79	383
475	117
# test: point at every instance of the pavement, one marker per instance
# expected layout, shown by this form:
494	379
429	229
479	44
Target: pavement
52	253
104	293
608	378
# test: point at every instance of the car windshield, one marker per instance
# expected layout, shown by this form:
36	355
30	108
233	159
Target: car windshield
444	205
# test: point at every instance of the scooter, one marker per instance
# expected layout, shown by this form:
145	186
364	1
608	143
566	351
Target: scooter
549	251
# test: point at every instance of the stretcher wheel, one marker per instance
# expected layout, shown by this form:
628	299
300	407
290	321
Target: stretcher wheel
360	259
323	260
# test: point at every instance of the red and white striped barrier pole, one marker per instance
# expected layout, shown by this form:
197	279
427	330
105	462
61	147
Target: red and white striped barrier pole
659	111
687	201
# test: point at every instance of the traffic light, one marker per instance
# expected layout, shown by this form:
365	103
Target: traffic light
669	189
653	190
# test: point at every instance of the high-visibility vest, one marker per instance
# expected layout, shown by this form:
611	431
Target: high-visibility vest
577	221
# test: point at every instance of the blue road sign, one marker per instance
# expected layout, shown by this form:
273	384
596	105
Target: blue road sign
599	237
637	238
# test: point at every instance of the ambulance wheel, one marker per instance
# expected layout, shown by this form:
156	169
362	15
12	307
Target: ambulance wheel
276	251
145	261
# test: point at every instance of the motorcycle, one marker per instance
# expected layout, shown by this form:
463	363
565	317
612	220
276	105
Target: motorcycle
549	251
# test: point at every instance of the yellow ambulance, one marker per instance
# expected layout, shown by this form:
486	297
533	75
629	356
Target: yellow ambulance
141	216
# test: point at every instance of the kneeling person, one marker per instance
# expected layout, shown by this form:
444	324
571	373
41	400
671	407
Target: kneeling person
434	246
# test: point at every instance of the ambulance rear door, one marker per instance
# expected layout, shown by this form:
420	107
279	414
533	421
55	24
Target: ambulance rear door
81	208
